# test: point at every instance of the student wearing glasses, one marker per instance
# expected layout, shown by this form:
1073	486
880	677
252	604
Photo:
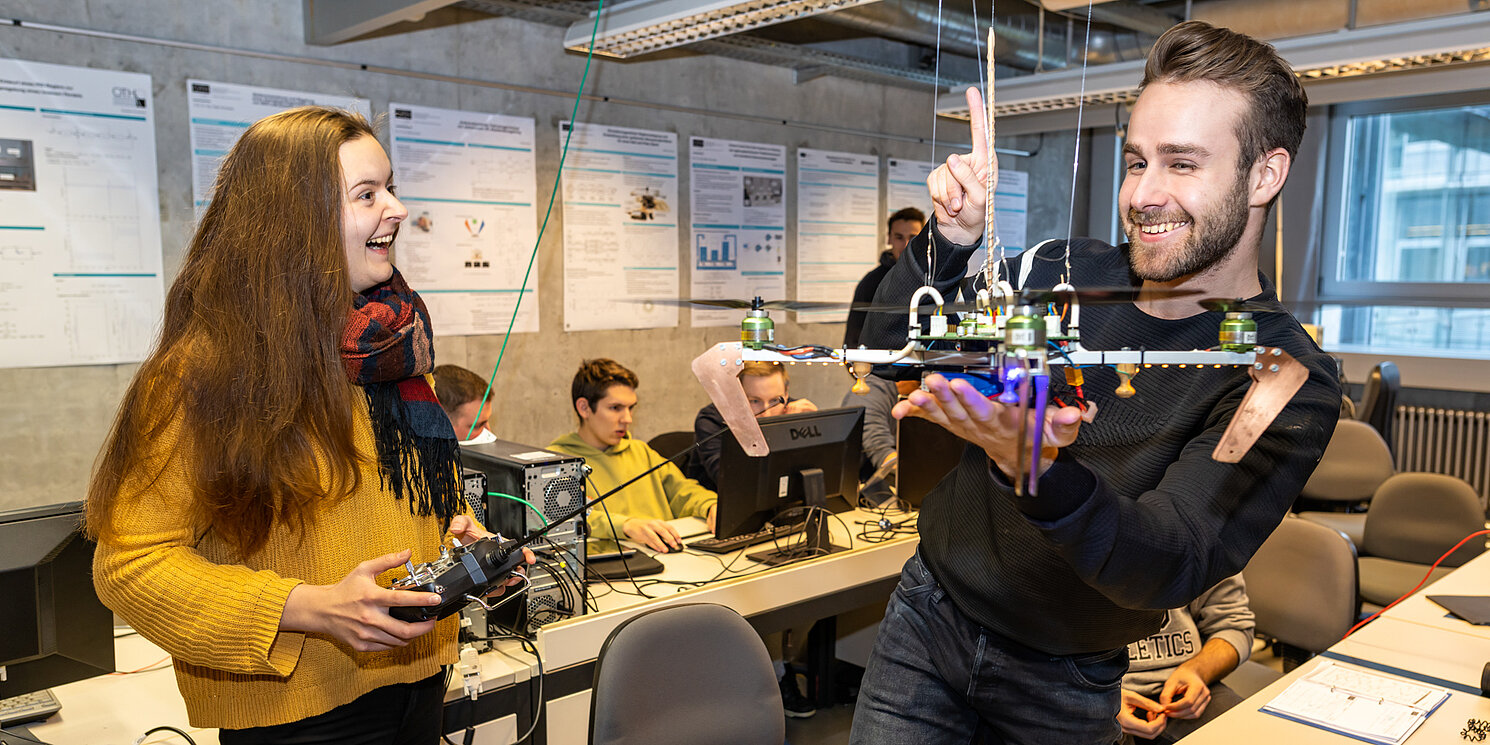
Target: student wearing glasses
765	385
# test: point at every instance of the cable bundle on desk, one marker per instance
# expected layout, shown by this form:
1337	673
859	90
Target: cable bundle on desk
884	527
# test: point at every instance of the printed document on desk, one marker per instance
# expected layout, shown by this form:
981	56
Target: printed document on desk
1357	702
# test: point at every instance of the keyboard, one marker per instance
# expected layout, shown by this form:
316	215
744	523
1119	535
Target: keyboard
28	707
746	540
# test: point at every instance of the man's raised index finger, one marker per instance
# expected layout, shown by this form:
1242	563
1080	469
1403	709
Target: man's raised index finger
978	124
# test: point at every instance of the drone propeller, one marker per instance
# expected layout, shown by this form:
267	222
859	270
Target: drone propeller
1237	305
1087	296
755	304
759	304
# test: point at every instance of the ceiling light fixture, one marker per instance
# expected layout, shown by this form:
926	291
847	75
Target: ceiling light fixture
641	26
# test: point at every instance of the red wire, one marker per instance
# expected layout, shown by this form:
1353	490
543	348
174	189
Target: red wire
147	668
1373	616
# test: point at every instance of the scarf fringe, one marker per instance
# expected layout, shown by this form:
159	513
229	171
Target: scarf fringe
423	469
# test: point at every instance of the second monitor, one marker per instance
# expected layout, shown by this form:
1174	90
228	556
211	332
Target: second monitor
814	462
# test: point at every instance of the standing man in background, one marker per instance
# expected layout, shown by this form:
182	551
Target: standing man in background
904	225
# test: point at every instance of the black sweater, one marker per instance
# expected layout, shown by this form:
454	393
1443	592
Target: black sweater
1135	516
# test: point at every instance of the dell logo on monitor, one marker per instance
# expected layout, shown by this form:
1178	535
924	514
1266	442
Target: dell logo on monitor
801	433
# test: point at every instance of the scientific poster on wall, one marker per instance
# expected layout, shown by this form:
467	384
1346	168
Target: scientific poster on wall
838	217
620	190
80	257
905	182
738	244
220	112
469	182
1011	200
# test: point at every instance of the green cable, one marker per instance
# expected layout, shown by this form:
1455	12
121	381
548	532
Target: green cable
535	510
523	290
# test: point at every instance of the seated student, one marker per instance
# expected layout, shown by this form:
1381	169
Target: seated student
765	385
460	392
1172	686
603	394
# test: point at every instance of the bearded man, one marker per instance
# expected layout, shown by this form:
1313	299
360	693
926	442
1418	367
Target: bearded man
1011	623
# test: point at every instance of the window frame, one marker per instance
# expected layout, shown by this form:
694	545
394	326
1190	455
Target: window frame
1337	175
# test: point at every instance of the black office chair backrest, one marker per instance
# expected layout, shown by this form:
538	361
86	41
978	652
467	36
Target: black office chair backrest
1302	585
685	675
1416	517
1379	400
669	444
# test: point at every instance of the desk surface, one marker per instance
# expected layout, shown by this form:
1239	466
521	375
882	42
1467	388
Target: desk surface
1416	637
115	710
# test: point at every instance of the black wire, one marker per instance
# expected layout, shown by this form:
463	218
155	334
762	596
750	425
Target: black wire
538	705
168	728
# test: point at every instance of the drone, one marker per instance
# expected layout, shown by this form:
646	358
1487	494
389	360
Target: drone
1024	338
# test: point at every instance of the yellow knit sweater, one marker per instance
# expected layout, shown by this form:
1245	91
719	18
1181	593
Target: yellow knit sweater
180	586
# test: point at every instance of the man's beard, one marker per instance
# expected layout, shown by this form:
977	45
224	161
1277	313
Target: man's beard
1211	239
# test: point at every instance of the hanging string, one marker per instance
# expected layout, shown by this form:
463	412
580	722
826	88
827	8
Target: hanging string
936	90
1076	149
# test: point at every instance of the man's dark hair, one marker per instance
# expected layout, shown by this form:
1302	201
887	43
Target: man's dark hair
456	386
595	377
1196	50
906	213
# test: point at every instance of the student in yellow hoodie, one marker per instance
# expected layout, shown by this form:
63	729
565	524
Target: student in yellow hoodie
603	395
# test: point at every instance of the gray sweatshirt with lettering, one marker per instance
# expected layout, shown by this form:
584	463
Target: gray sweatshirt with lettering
1220	613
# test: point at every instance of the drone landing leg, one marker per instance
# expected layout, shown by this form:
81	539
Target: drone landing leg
1042	397
1024	415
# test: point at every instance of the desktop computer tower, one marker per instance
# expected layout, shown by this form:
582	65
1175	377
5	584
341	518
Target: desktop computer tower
554	485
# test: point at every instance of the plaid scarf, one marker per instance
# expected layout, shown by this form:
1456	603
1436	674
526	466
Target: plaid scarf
387	349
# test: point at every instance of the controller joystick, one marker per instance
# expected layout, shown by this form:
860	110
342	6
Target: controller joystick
461	575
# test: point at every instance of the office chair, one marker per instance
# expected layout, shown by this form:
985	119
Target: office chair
1379	399
1302	588
1413	519
669	444
1354	464
685	675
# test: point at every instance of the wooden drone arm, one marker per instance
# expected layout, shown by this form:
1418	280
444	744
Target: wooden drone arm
718	370
1276	377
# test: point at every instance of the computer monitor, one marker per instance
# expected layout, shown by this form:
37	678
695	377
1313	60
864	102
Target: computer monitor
55	629
927	454
814	461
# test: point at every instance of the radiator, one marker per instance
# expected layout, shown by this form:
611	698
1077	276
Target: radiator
1447	441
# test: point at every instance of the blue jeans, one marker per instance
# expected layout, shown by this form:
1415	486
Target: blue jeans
936	676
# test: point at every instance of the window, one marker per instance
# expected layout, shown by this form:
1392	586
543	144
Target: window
1409	227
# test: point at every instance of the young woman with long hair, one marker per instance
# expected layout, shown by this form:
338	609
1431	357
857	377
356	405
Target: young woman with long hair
282	431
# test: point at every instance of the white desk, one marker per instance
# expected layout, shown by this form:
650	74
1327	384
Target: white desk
114	710
1416	637
117	709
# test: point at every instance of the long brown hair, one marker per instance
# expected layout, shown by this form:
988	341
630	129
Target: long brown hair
247	370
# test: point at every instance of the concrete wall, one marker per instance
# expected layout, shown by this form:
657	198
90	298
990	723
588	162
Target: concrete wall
53	420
